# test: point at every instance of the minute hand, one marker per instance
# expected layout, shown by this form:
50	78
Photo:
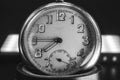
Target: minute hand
35	40
45	40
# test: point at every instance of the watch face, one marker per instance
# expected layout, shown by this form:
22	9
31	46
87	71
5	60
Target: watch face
60	39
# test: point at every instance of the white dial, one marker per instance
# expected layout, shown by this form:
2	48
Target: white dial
60	37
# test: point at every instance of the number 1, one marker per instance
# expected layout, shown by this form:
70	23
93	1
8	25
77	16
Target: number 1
72	19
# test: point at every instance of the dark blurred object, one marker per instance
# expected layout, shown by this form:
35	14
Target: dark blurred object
27	73
109	58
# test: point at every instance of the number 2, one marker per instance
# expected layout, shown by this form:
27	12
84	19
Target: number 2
80	28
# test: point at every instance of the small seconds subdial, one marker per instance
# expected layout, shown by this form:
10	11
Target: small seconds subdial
59	61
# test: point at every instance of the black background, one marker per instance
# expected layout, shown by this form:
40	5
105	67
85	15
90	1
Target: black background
13	13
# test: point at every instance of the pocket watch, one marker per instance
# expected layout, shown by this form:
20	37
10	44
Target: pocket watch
60	39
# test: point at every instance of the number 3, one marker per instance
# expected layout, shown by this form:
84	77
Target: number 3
86	41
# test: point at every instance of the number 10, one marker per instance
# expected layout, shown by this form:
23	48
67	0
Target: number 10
41	28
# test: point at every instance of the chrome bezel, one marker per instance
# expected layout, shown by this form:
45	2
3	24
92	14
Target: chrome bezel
91	62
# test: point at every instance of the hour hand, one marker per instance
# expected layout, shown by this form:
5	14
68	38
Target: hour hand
49	46
52	44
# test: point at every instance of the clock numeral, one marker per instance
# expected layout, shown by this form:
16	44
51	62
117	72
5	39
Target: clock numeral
81	53
49	19
61	15
34	41
41	28
73	64
86	41
81	28
38	53
72	19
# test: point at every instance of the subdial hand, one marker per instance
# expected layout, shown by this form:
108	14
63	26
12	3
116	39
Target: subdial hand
52	44
60	60
59	40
